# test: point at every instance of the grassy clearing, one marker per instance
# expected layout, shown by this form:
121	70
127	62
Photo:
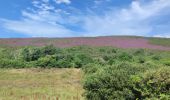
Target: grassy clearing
160	41
40	84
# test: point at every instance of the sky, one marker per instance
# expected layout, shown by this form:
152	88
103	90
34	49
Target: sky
84	18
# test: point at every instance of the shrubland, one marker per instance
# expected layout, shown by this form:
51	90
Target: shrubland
109	73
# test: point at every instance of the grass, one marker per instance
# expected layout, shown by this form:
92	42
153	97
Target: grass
160	41
40	84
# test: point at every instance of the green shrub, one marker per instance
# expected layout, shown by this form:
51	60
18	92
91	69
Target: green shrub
108	83
125	56
65	64
25	54
166	62
30	54
65	61
139	52
7	63
152	84
113	82
156	57
44	62
91	68
6	53
142	60
47	62
49	50
83	59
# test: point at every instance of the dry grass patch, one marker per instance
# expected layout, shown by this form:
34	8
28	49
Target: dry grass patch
40	84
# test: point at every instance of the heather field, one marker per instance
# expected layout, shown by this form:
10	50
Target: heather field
114	41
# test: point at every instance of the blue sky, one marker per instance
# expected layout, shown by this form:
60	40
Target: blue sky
72	18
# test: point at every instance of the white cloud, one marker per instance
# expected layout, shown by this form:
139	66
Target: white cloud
37	29
44	22
43	5
51	21
134	20
63	1
165	35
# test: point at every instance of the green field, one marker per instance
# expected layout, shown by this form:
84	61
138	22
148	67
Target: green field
40	84
160	41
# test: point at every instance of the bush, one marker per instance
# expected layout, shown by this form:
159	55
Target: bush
166	62
139	52
47	62
99	60
122	82
152	84
65	60
25	54
7	63
30	54
91	68
108	83
156	57
82	59
44	62
6	53
141	60
125	57
49	50
65	64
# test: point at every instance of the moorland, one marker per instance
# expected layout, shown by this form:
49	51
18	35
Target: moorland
98	68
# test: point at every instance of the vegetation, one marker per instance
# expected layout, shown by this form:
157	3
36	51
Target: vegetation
40	84
109	73
160	41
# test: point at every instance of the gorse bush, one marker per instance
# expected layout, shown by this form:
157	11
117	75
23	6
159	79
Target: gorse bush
109	73
125	57
7	63
108	83
32	54
49	50
152	84
127	82
46	61
139	52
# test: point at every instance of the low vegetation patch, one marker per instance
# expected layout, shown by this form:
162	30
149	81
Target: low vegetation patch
108	73
40	84
160	41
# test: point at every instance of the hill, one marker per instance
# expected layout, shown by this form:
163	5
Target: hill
114	41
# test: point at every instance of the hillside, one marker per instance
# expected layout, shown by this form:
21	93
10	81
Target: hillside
114	41
84	72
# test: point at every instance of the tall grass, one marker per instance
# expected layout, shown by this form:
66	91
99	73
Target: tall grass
40	84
